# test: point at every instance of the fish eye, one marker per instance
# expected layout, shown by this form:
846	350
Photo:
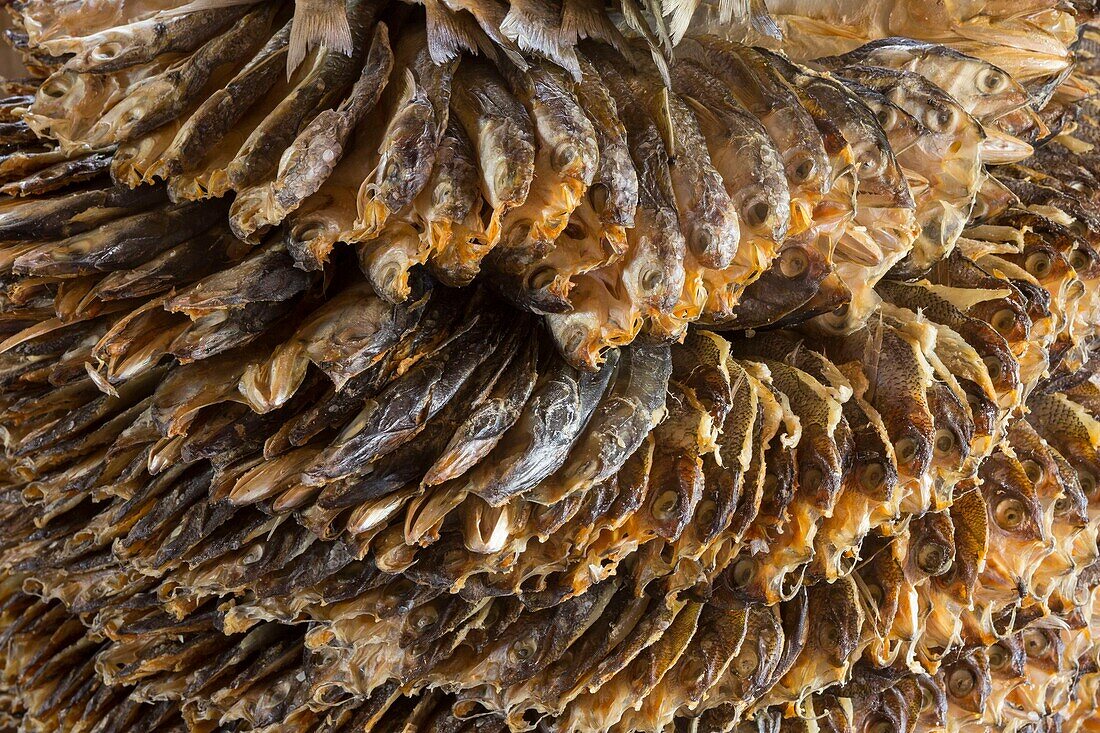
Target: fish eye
940	119
693	669
540	278
1078	260
1035	642
992	81
906	450
389	275
945	441
564	156
793	263
308	233
708	510
874	590
757	212
1003	321
574	340
1009	514
664	508
1039	264
703	240
57	88
887	118
746	662
441	193
598	196
651	279
106	51
812	478
576	230
993	366
1061	505
743	571
805	170
1088	482
872	164
931	558
518	233
960	682
998	656
254	554
1032	470
424	618
828	635
392	172
872	476
881	725
523	649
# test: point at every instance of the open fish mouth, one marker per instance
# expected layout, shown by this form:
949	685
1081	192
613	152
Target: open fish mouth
469	366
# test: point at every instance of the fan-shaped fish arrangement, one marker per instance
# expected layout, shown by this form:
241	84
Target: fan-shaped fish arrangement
471	365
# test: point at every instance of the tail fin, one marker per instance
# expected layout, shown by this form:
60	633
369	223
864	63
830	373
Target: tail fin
318	22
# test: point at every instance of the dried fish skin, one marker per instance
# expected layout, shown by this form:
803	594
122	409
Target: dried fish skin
503	137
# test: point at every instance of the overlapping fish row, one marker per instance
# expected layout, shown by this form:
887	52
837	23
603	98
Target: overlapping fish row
748	191
258	481
436	500
836	547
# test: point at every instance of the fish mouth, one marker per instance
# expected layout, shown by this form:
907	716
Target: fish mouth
1001	148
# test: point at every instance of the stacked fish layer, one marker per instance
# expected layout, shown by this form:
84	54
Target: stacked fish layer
720	183
281	453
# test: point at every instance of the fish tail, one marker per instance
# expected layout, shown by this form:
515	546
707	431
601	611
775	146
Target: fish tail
449	33
318	22
580	20
679	14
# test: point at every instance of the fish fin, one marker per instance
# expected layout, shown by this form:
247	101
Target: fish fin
762	20
196	5
664	122
491	42
580	20
318	22
408	90
680	13
635	19
449	32
659	24
534	26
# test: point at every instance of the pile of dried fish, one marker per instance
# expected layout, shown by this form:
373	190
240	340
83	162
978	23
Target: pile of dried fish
747	191
797	424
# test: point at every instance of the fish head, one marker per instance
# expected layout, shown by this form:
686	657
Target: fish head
760	654
764	207
836	621
966	680
1043	649
882	711
1006	658
654	276
984	89
508	175
954	427
881	580
931	549
970	539
1013	506
1009	317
